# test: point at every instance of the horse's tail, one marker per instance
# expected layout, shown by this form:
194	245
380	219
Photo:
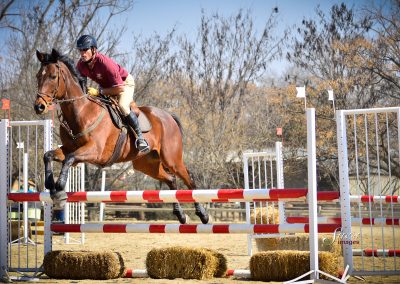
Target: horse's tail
177	120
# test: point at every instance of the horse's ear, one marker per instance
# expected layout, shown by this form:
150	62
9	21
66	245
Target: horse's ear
55	54
40	56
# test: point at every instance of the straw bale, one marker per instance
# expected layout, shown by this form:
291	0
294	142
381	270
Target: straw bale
17	230
299	242
265	215
222	266
78	265
286	265
186	263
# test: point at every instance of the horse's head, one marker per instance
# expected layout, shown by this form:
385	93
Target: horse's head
50	80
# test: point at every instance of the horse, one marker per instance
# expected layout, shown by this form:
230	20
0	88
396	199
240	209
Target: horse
88	134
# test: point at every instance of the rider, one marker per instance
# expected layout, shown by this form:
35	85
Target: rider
113	81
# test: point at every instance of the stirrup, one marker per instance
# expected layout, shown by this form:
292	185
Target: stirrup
142	145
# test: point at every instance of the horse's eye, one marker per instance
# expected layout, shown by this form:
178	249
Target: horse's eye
53	77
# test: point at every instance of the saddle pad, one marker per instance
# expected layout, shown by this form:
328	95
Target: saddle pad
144	122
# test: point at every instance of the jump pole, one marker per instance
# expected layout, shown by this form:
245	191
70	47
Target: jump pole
354	221
191	228
142	273
202	195
377	252
170	196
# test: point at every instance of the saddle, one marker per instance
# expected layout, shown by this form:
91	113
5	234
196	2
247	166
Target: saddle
118	118
119	121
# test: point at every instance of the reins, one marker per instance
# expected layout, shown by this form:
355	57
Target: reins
64	124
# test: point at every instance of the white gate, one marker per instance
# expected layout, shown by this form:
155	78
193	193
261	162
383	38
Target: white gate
369	168
75	211
263	170
25	235
23	144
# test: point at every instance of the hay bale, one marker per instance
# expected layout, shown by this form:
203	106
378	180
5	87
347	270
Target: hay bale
222	266
186	263
78	265
264	215
299	242
286	265
17	230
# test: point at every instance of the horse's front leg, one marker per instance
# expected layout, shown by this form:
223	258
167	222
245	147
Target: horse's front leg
84	153
52	155
59	195
48	171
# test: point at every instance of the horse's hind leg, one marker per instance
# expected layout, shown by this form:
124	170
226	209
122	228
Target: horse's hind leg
154	169
176	207
184	174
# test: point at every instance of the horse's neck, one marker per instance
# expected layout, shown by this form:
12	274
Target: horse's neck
74	111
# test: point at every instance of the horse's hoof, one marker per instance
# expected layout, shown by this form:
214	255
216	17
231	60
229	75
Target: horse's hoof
182	217
203	215
59	199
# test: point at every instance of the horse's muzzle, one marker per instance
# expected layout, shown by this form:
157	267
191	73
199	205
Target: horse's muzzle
40	108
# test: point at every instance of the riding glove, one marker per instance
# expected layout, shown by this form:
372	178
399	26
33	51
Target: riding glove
93	91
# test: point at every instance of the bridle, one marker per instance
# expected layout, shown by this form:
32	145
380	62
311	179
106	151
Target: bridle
52	97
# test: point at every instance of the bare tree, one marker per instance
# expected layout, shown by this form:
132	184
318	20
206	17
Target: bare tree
381	55
215	79
345	52
42	25
317	51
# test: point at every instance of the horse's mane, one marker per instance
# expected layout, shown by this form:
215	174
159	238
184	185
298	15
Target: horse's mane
56	56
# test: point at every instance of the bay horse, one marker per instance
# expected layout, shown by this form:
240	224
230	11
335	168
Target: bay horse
88	135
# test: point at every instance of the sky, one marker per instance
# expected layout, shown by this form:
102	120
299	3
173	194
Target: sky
160	16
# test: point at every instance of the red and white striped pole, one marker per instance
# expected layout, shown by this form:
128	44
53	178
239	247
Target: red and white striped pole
199	195
191	228
142	273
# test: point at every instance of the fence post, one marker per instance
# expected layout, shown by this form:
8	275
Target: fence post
103	188
48	145
4	186
344	188
280	180
246	185
312	192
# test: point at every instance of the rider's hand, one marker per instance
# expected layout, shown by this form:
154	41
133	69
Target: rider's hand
92	91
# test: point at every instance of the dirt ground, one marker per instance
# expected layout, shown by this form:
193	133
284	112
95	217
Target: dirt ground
134	248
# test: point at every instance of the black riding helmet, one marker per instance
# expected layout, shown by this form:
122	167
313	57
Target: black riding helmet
86	42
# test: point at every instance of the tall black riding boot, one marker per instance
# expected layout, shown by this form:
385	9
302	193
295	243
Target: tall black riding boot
141	143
